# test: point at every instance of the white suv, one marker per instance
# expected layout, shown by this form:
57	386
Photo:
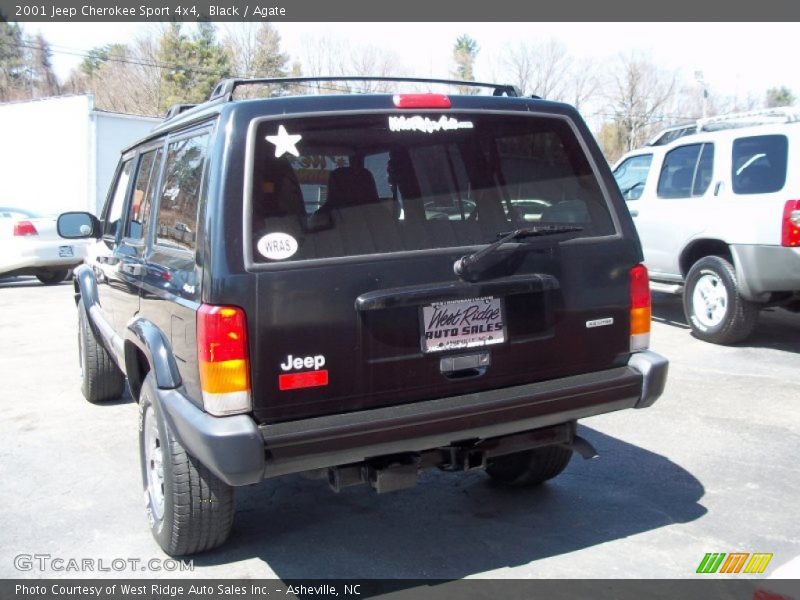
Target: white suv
718	214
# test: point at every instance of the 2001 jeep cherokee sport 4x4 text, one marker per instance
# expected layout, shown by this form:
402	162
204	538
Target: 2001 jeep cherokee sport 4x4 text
360	286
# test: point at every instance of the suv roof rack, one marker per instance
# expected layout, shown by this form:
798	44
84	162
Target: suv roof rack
764	116
225	88
176	109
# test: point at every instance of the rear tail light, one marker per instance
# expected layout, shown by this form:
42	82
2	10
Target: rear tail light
222	358
421	101
640	309
790	232
22	228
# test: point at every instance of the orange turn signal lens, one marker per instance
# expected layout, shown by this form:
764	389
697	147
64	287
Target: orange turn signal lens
640	308
222	359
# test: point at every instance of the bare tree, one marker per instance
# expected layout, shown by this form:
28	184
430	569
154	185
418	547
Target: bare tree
543	68
640	95
584	82
123	78
334	56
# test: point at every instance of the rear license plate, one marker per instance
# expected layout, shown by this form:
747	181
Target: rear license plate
462	324
65	251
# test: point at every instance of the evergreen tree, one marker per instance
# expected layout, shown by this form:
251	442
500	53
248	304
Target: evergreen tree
780	96
98	56
192	65
43	78
255	50
12	60
465	51
269	61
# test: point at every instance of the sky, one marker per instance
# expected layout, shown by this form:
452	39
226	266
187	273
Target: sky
736	59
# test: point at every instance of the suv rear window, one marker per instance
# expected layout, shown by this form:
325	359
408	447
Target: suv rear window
759	164
344	186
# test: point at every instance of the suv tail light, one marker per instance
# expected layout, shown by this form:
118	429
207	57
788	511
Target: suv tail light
22	228
421	101
222	358
640	309
790	232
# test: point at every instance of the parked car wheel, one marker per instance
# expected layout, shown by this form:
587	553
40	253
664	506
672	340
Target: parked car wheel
101	379
189	509
52	276
531	467
713	305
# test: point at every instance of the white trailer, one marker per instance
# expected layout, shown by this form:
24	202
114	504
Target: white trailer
59	154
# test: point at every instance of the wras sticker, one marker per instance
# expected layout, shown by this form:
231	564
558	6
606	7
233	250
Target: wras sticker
427	125
277	246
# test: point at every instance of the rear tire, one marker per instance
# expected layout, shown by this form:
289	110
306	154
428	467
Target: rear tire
714	307
189	508
101	379
52	277
529	468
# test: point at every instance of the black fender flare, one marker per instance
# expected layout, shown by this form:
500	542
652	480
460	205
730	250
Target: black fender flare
85	285
145	336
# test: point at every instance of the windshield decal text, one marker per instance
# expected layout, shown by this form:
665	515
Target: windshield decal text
427	125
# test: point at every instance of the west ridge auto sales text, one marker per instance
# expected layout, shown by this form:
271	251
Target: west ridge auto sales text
176	11
177	591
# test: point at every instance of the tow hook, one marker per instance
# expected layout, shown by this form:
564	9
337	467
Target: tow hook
582	447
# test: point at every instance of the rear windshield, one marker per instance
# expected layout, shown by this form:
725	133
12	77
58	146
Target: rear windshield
344	186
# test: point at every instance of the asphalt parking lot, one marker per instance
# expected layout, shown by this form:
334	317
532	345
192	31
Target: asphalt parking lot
712	467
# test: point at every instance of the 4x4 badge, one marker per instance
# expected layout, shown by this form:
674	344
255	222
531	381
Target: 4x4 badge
284	142
599	322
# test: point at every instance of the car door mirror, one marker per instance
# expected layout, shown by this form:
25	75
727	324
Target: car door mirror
78	225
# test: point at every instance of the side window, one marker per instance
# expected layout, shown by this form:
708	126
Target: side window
113	214
631	175
759	164
144	191
677	178
180	192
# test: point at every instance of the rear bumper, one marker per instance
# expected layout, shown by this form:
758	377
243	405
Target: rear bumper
240	452
763	269
27	256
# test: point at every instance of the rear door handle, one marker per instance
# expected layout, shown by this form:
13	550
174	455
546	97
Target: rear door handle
634	212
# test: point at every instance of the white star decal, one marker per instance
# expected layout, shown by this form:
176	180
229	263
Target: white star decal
284	142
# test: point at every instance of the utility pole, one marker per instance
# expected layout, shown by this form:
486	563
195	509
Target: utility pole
699	78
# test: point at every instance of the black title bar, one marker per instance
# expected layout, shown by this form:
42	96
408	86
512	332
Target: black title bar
404	11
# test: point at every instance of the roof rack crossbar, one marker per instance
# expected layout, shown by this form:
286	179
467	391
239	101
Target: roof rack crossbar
225	88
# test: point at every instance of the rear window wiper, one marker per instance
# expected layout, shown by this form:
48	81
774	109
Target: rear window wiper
463	266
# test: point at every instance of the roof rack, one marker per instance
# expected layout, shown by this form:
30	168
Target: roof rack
764	116
176	109
225	88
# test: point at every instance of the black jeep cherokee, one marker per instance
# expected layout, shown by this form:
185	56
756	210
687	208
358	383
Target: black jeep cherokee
359	287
